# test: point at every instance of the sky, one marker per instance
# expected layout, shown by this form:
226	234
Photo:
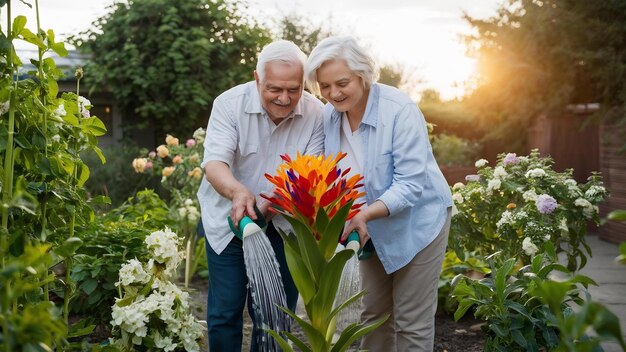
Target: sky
422	36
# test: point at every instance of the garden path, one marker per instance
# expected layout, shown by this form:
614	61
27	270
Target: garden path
611	278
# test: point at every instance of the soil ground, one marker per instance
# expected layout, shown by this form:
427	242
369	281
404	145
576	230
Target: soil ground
450	336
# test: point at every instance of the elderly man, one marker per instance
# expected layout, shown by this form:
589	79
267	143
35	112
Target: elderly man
250	126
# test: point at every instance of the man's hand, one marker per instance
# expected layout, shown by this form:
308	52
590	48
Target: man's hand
243	204
221	178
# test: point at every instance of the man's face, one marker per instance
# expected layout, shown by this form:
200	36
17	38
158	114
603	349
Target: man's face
281	88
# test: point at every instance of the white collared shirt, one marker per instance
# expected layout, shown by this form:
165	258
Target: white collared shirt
241	134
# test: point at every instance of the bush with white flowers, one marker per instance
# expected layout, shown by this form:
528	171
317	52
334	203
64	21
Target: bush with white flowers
521	202
153	313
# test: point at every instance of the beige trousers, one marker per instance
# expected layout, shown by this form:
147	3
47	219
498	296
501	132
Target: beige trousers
409	295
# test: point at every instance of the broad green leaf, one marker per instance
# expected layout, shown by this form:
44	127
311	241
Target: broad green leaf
18	25
93	125
464	305
89	285
501	276
300	274
53	88
68	247
83	175
30	37
323	302
336	224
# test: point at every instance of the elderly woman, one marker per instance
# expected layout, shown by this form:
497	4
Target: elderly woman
408	202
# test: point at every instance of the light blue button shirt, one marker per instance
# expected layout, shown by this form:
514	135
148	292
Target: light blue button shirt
400	170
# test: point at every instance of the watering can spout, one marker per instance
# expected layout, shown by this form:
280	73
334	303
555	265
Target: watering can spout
247	226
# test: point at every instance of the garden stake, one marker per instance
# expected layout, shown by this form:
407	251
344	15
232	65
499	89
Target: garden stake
264	281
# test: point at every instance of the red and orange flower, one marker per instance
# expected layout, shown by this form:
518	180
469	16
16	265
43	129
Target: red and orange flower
310	183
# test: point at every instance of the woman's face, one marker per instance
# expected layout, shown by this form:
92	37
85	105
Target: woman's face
341	87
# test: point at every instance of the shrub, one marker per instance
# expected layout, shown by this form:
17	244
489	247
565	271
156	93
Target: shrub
521	203
451	150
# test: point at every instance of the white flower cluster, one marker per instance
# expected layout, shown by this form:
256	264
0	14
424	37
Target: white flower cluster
481	163
199	135
572	187
163	246
589	210
510	218
161	314
595	193
529	247
535	173
500	173
493	185
189	211
530	195
457	198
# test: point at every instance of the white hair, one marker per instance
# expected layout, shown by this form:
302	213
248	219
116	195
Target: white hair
340	48
281	50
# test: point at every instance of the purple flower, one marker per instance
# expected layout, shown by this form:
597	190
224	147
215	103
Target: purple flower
474	178
546	204
510	159
190	143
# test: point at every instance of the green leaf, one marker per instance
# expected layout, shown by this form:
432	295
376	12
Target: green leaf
89	285
354	332
617	215
464	305
301	276
284	345
93	125
83	175
324	300
336	224
68	247
501	276
30	37
53	88
18	25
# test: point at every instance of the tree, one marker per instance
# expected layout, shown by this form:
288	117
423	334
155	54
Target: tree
165	61
301	31
537	56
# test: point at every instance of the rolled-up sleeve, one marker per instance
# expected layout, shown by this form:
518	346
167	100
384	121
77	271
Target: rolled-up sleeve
410	150
220	143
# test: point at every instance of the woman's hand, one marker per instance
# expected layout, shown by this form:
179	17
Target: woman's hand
358	224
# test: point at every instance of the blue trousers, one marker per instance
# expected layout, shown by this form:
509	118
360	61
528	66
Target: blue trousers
228	292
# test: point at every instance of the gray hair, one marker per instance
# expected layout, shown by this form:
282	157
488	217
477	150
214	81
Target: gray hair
340	48
281	50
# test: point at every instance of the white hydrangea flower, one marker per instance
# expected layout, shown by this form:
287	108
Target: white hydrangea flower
193	214
457	197
572	188
594	192
132	272
182	212
59	112
529	247
507	218
523	159
499	172
188	202
530	195
457	186
493	184
589	210
163	245
481	163
56	138
535	173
